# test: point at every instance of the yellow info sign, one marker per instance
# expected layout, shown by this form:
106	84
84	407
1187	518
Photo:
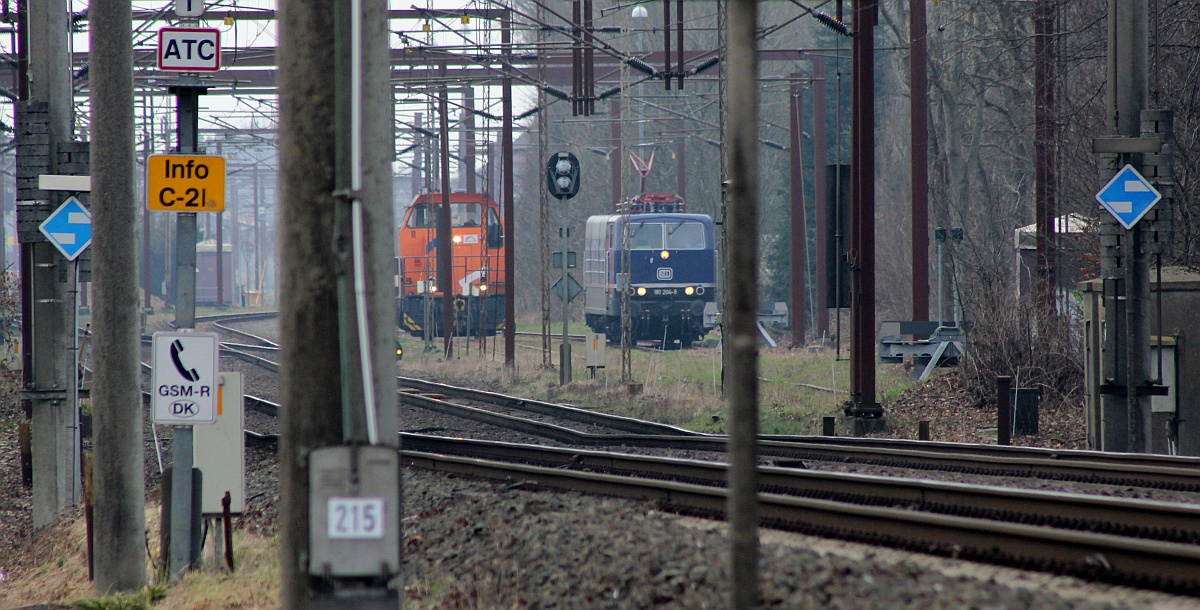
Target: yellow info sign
186	183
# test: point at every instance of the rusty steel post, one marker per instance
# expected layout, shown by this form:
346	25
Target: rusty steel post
1003	410
862	204
919	122
445	258
820	159
506	154
799	222
667	44
589	61
1044	166
679	43
576	57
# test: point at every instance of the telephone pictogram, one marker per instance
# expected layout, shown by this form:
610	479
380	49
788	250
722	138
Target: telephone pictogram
188	374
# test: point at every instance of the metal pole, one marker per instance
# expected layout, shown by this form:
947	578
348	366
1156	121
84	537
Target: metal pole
1044	144
919	122
564	352
681	151
1127	364
1003	410
799	223
187	117
819	161
862	205
941	266
257	220
220	251
742	313
467	162
147	252
510	267
616	158
418	156
118	479
445	254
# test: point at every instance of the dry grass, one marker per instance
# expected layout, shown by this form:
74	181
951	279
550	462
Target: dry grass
678	387
60	576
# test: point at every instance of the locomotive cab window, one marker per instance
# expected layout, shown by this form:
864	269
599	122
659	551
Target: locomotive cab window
419	217
495	232
465	215
685	236
425	216
646	236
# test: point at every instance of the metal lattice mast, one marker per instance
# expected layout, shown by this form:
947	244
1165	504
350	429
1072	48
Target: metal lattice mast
626	321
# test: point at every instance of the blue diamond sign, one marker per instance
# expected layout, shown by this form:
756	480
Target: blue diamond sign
69	228
1128	196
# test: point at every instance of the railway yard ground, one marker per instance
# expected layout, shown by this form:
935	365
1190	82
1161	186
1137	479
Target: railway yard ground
472	543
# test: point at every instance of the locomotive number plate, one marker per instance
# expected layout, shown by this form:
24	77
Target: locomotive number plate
665	292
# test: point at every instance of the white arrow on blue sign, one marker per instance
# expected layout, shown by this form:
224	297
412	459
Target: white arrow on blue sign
69	228
1128	196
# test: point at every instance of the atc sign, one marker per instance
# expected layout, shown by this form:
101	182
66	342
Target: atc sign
189	49
184	378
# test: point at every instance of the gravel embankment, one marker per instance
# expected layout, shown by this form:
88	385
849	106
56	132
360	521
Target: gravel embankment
480	544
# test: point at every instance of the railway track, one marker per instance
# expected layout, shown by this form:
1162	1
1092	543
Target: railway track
1021	541
1151	545
1145	544
1132	470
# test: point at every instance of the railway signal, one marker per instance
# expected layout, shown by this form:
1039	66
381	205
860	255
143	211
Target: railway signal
562	180
562	175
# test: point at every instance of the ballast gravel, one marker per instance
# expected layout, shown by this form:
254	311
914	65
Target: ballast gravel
479	544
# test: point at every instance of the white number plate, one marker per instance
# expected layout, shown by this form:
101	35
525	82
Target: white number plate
355	518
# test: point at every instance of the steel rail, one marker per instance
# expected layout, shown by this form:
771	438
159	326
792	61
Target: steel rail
1127	459
1143	470
616	422
1100	557
242	333
1136	518
794	452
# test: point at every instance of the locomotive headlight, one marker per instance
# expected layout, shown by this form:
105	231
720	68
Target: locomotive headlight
483	288
456	239
689	290
641	291
664	255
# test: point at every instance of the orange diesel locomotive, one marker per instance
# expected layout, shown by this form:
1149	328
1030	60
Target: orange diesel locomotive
477	266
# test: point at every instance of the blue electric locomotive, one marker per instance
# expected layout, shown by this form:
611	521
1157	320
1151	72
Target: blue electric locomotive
672	271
